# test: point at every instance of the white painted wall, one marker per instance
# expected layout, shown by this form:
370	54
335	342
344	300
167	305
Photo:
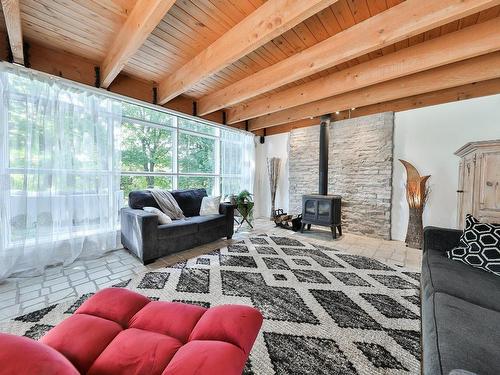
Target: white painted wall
274	146
427	138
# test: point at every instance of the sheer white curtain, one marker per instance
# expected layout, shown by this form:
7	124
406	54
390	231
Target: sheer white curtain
59	172
248	162
237	161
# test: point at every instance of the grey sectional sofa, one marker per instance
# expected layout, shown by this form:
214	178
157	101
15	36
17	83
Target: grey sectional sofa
460	311
144	237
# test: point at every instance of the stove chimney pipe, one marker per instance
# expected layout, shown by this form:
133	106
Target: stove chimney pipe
323	154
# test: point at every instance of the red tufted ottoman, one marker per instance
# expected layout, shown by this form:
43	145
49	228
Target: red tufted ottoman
117	331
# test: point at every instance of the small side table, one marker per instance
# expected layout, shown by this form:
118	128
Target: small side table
244	217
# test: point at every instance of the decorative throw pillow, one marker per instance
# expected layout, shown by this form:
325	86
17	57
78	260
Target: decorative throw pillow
162	217
479	245
209	206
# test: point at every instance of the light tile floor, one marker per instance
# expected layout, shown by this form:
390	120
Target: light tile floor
22	295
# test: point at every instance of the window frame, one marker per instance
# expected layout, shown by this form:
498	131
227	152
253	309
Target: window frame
176	174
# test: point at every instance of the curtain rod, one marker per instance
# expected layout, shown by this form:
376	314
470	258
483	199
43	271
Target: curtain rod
11	66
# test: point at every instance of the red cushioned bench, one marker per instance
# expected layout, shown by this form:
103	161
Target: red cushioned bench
117	331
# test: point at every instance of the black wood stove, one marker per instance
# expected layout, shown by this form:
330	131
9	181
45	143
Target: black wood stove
322	209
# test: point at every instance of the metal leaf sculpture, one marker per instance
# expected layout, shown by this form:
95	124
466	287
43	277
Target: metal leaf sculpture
416	190
416	195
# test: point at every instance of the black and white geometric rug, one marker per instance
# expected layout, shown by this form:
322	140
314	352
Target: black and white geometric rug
325	311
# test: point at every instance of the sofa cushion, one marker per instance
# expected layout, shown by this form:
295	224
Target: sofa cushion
187	317
176	228
24	356
136	351
94	335
466	336
440	274
208	221
220	357
189	200
139	199
210	206
479	246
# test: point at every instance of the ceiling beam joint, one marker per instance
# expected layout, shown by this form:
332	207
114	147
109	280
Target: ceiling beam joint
141	22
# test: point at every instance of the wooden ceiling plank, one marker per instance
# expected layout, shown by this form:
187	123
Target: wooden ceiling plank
12	16
198	27
100	9
393	3
450	27
60	38
202	17
276	53
461	45
245	7
161	49
294	40
343	14
303	32
145	16
71	14
174	36
384	29
359	10
209	8
477	69
66	25
328	21
268	21
376	6
316	28
257	3
488	14
119	7
265	58
228	8
469	20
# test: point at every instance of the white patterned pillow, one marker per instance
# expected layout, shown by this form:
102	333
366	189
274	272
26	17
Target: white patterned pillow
479	245
210	206
162	217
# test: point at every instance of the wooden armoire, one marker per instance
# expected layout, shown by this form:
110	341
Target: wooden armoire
479	181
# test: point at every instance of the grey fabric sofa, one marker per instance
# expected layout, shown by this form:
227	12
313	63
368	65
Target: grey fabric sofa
460	311
144	237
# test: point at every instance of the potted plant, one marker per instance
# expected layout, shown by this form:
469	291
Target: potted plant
244	202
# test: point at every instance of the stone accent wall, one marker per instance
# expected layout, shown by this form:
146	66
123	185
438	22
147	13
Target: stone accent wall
360	170
303	162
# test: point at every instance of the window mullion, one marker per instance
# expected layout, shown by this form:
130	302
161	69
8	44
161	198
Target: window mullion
175	154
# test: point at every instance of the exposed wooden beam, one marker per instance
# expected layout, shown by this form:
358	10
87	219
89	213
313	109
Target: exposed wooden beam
472	90
461	45
143	19
460	73
12	15
267	22
407	19
80	69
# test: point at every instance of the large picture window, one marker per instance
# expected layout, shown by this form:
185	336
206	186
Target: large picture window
161	150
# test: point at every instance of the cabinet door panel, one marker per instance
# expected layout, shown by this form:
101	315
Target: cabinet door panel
489	185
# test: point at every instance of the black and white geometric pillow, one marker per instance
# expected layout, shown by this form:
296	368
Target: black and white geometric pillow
479	245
